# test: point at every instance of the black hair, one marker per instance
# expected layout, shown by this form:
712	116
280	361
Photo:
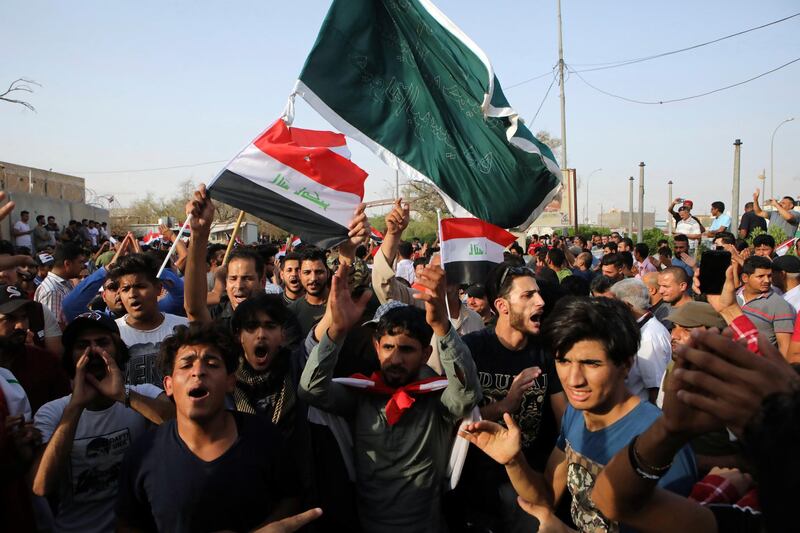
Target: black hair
194	335
24	212
666	251
765	239
611	245
290	256
720	206
361	251
613	259
310	253
247	254
267	251
212	250
39	217
681	237
628	241
405	249
626	258
606	320
409	320
557	257
575	286
662	242
642	249
726	237
270	304
749	205
420	261
144	264
741	245
67	252
501	277
6	247
754	262
601	284
788	198
517	247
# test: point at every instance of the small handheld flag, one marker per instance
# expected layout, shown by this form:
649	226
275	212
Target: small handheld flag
470	248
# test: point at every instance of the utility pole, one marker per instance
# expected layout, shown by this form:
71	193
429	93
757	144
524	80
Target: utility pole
737	154
641	203
561	86
669	201
630	207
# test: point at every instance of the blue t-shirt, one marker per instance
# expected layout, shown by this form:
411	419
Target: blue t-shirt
589	451
722	221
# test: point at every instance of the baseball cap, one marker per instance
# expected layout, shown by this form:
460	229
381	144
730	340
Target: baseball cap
787	263
44	259
695	314
92	319
688	204
11	299
476	291
383	309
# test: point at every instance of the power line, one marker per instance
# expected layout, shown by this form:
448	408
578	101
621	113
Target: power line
543	100
540	76
625	62
151	169
635	101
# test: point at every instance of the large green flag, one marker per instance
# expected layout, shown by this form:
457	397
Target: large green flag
400	77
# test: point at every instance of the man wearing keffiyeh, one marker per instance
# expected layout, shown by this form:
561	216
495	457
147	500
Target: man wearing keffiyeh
402	430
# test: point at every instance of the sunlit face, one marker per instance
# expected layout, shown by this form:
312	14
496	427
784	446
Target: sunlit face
290	274
763	250
758	281
139	296
401	357
199	382
261	340
670	290
314	277
590	379
523	307
242	280
112	297
786	204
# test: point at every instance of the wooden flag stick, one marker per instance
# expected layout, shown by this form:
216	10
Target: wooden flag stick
233	237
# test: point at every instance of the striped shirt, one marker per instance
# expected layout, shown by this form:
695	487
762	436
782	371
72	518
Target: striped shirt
51	292
769	312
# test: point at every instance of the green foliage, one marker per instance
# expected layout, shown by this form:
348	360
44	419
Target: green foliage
424	228
586	230
776	232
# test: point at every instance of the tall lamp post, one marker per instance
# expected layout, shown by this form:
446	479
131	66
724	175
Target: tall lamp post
586	212
772	158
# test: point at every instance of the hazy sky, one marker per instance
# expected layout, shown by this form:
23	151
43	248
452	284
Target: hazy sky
138	85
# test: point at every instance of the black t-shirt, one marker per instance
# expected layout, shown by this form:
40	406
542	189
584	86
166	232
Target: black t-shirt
497	366
163	486
751	221
307	315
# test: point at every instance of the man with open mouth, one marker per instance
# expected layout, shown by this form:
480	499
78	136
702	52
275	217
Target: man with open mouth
518	377
194	473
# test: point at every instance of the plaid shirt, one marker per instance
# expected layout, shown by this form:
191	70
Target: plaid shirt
51	292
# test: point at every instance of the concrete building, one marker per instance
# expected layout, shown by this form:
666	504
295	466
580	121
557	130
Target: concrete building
618	220
48	193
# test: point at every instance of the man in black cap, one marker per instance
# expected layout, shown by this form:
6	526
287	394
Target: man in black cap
86	433
39	373
786	276
479	302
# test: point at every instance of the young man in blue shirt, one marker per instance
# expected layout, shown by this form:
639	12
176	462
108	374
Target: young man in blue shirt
594	342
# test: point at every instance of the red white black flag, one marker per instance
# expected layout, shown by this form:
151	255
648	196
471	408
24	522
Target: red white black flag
300	180
470	248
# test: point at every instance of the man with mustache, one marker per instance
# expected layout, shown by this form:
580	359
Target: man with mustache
290	276
400	450
314	275
86	433
37	370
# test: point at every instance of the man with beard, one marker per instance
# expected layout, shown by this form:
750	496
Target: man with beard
770	313
613	267
518	377
314	276
479	302
290	276
199	471
37	370
400	446
86	433
144	326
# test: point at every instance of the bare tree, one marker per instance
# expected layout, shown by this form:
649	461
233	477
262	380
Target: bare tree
19	85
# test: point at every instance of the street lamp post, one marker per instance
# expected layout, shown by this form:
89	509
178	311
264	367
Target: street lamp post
669	201
586	213
772	158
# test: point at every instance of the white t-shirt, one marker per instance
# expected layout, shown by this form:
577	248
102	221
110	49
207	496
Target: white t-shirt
16	398
93	234
405	270
23	240
688	227
143	346
792	296
650	363
88	490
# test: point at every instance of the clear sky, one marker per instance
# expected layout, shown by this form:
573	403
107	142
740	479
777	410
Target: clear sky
147	84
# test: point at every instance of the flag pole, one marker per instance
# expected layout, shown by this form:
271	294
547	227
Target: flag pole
441	257
174	245
233	237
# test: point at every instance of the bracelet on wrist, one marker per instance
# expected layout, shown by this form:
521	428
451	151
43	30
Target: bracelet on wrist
642	469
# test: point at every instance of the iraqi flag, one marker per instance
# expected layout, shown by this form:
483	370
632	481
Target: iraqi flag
470	248
151	238
376	235
784	247
300	180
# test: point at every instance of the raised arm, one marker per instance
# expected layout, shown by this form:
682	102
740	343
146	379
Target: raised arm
316	383
384	281
756	207
195	285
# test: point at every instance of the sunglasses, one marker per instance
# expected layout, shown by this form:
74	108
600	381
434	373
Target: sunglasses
514	271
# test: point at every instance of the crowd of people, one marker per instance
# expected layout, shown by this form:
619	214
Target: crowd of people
587	384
